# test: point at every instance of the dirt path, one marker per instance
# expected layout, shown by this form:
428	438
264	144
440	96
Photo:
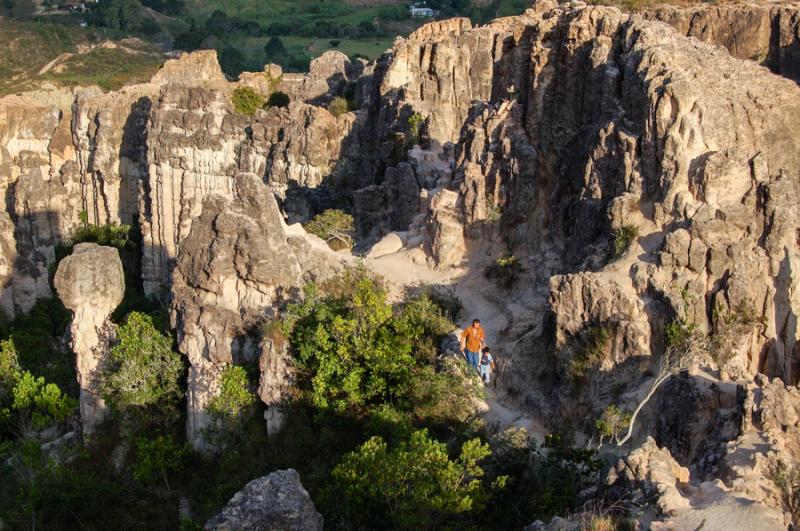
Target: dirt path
400	273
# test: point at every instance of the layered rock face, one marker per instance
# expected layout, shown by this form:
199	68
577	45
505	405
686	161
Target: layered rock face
766	33
570	123
196	147
150	153
238	262
277	501
91	283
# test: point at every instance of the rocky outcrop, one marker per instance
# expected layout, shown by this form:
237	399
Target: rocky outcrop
238	262
768	33
196	147
150	153
572	122
91	283
276	501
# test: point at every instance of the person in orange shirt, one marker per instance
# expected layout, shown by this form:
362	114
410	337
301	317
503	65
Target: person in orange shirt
473	340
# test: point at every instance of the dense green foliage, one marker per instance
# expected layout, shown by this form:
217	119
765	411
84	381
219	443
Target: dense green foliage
143	375
415	484
333	226
247	101
416	129
357	351
28	402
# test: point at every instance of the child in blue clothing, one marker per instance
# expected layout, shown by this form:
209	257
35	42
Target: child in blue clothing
486	365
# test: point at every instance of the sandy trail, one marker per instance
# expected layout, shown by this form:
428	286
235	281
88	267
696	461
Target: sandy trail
401	272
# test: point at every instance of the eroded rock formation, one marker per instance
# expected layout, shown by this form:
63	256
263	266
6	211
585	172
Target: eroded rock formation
91	283
236	265
276	501
768	33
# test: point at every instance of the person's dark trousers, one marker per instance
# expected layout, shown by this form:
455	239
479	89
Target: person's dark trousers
472	358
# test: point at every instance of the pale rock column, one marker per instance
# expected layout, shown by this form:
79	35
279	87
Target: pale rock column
91	283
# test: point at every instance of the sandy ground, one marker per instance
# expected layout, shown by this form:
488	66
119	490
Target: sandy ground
400	273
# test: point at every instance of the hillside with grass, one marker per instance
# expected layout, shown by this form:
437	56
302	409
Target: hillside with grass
37	53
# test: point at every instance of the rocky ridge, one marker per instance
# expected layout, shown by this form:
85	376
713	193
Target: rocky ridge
545	135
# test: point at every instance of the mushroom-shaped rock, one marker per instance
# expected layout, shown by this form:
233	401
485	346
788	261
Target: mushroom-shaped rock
91	283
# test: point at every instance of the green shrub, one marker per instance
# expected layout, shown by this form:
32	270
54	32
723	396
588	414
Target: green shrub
504	271
416	129
36	403
338	106
414	485
729	329
278	99
623	238
678	333
143	375
110	234
589	348
355	352
234	399
9	366
333	226
157	459
246	101
612	424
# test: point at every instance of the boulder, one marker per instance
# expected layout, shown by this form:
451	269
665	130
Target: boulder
276	502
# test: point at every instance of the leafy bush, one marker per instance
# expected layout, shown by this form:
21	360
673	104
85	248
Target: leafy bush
246	101
623	238
234	398
504	271
338	106
278	99
415	484
612	424
355	352
333	226
36	404
416	128
143	375
158	458
110	234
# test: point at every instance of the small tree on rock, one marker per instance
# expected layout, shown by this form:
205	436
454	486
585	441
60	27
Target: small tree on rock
684	344
143	374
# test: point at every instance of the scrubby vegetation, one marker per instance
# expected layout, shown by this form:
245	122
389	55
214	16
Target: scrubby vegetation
142	377
416	129
504	271
338	106
381	425
623	237
335	227
588	348
247	101
787	478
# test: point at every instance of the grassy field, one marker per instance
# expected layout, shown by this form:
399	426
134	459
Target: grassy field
30	46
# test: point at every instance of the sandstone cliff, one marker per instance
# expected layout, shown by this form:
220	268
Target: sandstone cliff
236	265
768	33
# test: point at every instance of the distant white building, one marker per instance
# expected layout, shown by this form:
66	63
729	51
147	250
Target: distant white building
421	11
